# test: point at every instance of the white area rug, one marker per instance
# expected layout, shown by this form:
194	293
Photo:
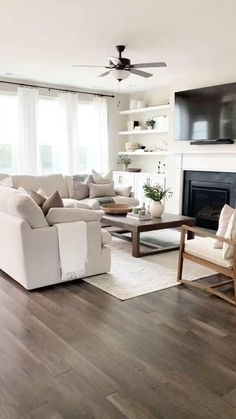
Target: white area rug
131	277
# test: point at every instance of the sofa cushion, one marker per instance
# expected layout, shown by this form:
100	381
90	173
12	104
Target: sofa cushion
53	201
73	203
98	178
49	183
22	206
103	189
203	248
67	215
224	219
106	237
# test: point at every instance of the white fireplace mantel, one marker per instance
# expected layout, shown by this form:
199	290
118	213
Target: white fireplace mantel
202	160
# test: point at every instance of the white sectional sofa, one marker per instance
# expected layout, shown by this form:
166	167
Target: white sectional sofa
64	185
29	245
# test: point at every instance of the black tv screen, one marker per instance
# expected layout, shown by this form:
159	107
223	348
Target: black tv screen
206	114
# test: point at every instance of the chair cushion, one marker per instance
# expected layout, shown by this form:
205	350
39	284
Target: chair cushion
224	219
202	247
228	249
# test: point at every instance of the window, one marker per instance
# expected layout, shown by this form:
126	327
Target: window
9	132
50	136
86	148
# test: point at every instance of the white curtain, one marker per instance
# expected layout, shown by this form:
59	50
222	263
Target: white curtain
101	133
69	105
28	150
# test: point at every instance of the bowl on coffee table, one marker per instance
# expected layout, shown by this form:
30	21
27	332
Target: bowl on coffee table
116	209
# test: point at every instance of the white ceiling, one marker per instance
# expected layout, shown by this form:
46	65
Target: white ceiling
41	40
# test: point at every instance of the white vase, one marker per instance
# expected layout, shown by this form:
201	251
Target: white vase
156	209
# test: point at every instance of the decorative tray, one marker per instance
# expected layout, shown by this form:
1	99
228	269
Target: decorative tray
116	209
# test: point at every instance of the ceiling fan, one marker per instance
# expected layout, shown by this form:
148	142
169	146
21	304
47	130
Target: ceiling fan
121	67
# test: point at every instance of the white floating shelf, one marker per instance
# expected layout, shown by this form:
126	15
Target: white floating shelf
144	153
142	131
142	110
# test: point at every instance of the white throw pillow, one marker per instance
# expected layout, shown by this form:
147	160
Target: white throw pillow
98	178
228	250
99	190
69	215
225	215
123	190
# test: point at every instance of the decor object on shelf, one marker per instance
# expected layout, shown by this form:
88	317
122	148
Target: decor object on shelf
156	194
134	169
150	123
131	147
116	209
125	160
140	104
133	104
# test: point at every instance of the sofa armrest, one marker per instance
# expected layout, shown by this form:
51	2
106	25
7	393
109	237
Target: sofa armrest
203	233
69	215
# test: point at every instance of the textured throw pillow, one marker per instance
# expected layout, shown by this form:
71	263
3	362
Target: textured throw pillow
123	190
38	198
98	178
81	188
99	190
228	250
53	201
225	215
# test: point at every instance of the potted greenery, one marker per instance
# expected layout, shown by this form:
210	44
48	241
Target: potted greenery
125	160
150	123
156	194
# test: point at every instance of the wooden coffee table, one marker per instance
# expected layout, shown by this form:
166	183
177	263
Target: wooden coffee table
135	227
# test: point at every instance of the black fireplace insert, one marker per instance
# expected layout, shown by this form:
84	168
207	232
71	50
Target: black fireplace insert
205	194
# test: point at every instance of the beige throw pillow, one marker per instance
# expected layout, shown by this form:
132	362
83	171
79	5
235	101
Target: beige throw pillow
53	201
224	219
38	198
100	190
98	178
228	250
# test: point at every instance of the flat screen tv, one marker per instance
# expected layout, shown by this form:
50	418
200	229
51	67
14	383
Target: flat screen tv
206	114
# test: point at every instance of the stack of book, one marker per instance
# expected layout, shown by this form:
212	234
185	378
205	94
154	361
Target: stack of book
139	216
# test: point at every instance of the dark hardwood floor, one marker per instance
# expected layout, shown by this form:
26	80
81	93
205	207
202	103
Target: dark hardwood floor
74	352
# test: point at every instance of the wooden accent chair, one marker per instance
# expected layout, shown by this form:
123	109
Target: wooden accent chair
200	250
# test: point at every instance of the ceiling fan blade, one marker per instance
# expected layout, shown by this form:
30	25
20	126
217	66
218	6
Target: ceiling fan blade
104	74
140	73
115	60
146	65
97	66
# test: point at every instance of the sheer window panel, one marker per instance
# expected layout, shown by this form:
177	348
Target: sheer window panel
50	136
86	147
9	132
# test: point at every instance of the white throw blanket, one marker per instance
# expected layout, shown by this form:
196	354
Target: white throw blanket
72	249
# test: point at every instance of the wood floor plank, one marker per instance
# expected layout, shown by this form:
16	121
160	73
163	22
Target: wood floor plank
74	352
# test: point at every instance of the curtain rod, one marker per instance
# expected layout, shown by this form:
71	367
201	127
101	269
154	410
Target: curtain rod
55	88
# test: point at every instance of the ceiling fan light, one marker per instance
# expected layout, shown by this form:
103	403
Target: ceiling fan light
120	74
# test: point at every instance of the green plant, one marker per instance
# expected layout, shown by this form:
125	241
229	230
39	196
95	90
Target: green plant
126	160
150	123
156	193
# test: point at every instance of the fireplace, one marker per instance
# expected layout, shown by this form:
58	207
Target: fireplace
205	193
